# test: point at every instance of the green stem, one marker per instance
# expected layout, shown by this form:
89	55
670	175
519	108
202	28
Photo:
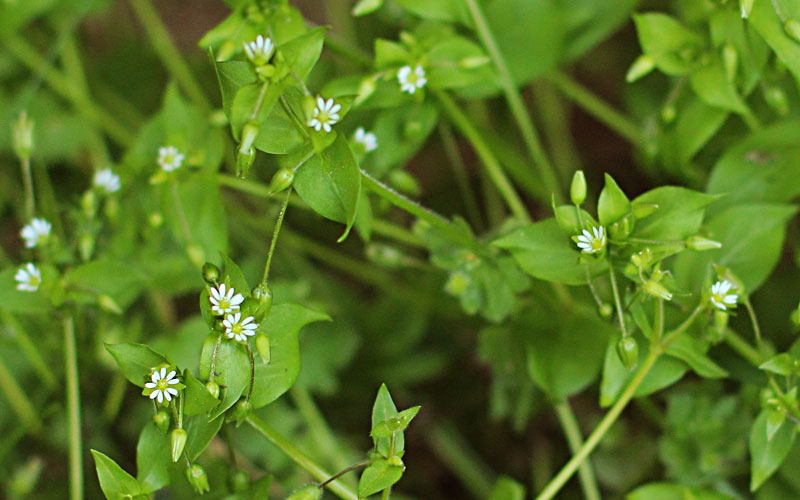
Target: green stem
573	433
753	318
459	170
454	451
31	352
22	406
252	360
682	327
490	162
556	127
515	103
116	392
275	233
299	457
27	180
167	51
555	485
318	427
359	465
386	493
73	410
598	108
617	300
214	353
743	348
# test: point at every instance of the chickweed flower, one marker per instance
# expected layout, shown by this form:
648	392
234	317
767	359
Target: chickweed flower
411	79
239	329
592	242
722	296
28	278
170	158
224	299
35	233
259	50
107	181
159	385
325	114
366	139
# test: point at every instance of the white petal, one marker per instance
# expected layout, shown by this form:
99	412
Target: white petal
154	394
166	395
237	299
170	375
155	377
320	103
172	390
150	385
163	372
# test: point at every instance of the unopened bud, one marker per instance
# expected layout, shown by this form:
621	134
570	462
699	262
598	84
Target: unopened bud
155	220
86	246
213	388
730	59
792	28
22	133
89	203
108	304
457	283
623	228
720	324
266	71
244	160
628	352
196	254
225	51
777	100
161	419
197	478
396	461
249	134
177	443
699	244
211	273
310	492
239	480
577	190
263	293
240	410
472	62
657	290
384	255
605	310
282	179
404	182
643	65
263	347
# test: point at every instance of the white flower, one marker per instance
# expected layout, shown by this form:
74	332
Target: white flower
160	383
411	80
366	139
28	278
224	299
259	50
592	242
169	158
722	295
325	114
239	329
106	180
36	232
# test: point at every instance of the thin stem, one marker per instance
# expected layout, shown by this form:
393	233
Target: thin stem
573	433
459	170
213	366
599	109
386	493
682	327
318	427
592	289
275	232
167	51
659	321
252	371
555	485
299	457
454	451
743	348
515	102
344	471
116	392
73	410
32	353
27	180
753	318
490	162
617	300
20	404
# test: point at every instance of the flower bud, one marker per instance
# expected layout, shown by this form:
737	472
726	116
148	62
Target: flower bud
404	182
623	228
86	246
457	283
777	100
197	478
699	244
365	89
108	304
213	388
263	347
111	208
211	273
249	134
472	62
310	492
22	132
155	220
792	28
244	160
240	410
239	480
89	203
396	461
282	179
643	65
577	190
161	419
266	71
263	293
605	310
196	254
628	352
657	290
720	324
177	442
730	59
226	51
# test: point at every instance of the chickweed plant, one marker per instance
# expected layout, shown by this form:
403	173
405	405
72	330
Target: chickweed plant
562	233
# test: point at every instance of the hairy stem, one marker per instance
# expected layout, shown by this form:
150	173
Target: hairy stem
275	232
617	299
73	410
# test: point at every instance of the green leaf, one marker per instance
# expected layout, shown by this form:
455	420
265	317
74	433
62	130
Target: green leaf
198	400
692	351
389	54
665	39
679	214
122	281
247	97
711	84
765	20
364	7
232	76
391	425
507	489
115	482
282	326
382	410
278	134
203	210
767	455
135	361
401	132
378	476
668	491
696	124
782	364
613	204
543	251
446	70
235	276
330	182
232	368
588	22
200	432
153	460
438	10
775	419
302	53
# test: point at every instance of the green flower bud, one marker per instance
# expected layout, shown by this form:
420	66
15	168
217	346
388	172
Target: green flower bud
86	246
730	59
621	229
89	203
239	481
161	419
457	283
657	290
605	310
699	244
396	461
263	347
108	304
404	182
720	324
365	89
628	352
643	65
249	134
225	51
792	28
577	190
211	273
282	179
155	220
668	113
240	410
777	100
472	62
22	133
196	255
263	293
178	443
244	160
197	478
266	72
612	204
310	492
213	388
111	208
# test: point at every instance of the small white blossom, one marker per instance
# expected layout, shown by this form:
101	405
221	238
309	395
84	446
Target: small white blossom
239	329
28	278
160	382
36	232
722	296
592	242
411	80
325	114
170	158
106	180
224	299
259	50
366	139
